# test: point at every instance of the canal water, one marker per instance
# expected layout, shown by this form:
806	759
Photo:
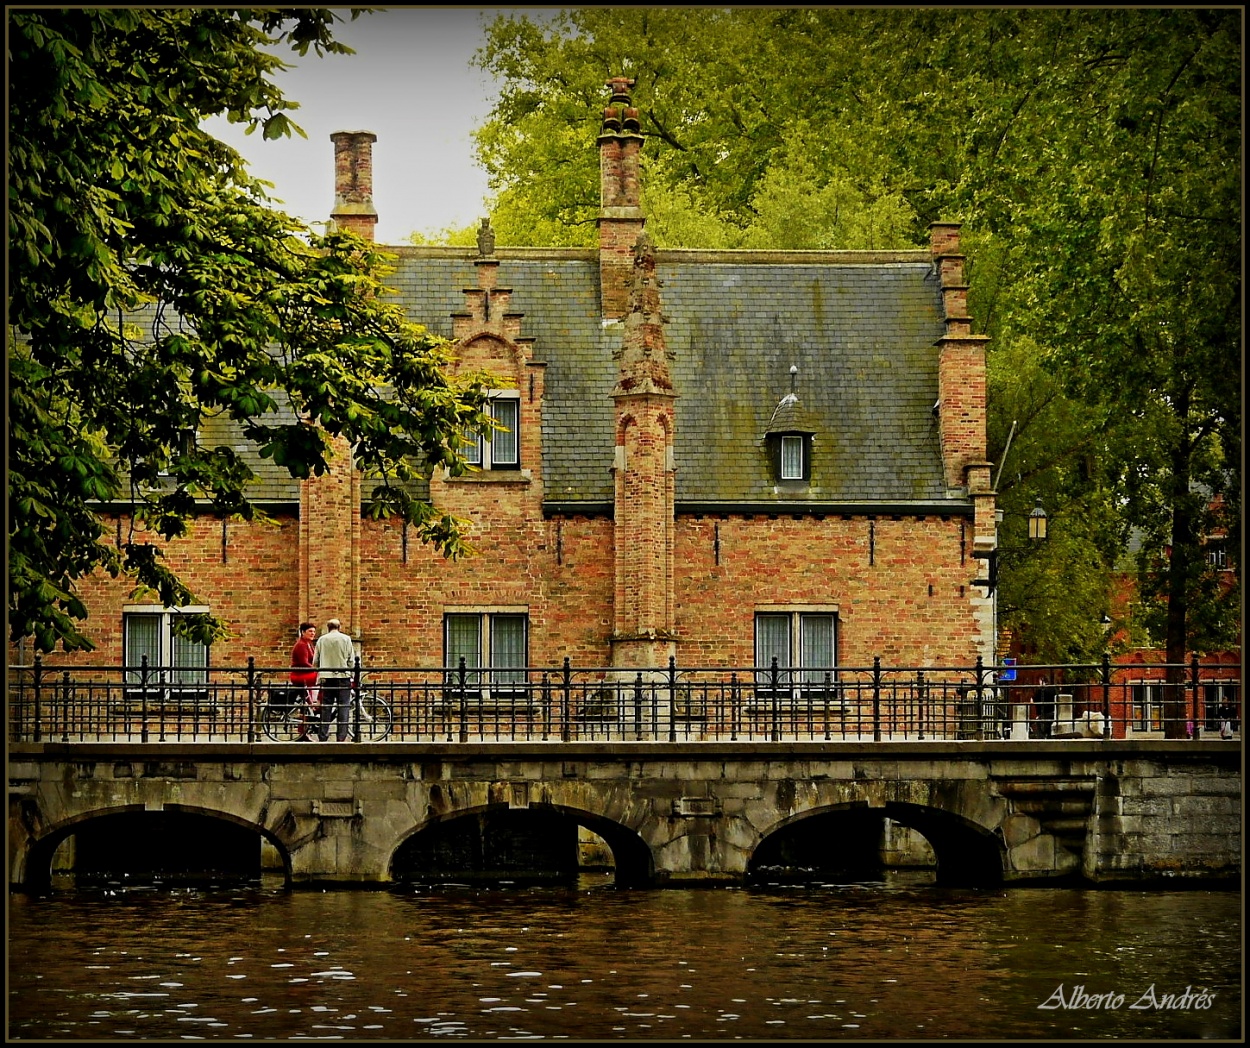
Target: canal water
821	962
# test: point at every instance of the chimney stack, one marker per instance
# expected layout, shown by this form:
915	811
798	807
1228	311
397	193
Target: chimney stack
620	212
353	183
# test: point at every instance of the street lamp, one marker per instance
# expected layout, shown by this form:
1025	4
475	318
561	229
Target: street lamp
1037	523
1037	534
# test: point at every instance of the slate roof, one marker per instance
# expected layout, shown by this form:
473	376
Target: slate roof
861	328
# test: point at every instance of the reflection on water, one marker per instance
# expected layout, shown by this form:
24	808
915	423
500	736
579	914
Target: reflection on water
593	962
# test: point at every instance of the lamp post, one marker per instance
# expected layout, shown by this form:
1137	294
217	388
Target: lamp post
1038	531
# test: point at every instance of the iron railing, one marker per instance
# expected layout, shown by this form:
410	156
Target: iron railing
147	704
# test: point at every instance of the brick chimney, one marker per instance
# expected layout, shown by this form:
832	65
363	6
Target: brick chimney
961	368
643	627
961	388
353	183
620	211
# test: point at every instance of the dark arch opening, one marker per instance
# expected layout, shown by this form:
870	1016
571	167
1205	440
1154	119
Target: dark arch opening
851	844
499	845
137	847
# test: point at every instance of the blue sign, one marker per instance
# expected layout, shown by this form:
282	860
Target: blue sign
1006	672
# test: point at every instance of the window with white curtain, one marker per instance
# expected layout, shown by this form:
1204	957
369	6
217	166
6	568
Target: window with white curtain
792	458
501	448
175	664
493	646
804	645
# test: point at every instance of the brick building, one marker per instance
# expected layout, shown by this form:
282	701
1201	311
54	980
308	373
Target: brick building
722	456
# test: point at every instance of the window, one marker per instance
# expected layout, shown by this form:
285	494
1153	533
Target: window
500	449
1221	701
791	456
804	644
1217	554
1147	706
493	646
177	667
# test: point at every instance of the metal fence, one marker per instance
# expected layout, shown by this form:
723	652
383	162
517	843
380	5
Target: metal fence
772	704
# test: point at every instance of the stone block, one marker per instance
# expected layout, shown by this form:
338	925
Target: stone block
1034	855
1208	804
1150	807
1017	829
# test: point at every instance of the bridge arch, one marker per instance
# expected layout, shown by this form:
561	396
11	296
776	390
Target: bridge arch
967	853
35	863
633	860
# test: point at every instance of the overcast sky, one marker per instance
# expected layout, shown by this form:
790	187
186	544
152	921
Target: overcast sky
410	82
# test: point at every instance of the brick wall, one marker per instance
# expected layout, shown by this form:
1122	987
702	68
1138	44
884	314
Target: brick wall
251	580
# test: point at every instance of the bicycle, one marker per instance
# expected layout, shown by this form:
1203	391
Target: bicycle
289	715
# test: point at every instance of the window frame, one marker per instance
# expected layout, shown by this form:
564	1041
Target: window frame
778	443
800	677
481	447
1215	693
795	443
486	677
169	676
1146	705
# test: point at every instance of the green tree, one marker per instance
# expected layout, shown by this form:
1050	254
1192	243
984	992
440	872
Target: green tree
1102	154
1094	158
152	286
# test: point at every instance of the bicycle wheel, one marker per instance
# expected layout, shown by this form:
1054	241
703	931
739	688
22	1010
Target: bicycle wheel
376	718
282	723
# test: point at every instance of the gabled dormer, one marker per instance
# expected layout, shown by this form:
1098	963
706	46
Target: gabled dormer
488	338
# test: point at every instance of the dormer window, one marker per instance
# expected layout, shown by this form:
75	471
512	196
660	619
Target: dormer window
500	449
792	457
788	438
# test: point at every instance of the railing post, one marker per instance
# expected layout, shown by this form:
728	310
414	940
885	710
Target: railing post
735	707
876	698
143	698
566	689
920	704
251	698
774	679
672	698
1194	678
464	701
38	725
828	692
979	719
546	693
638	706
64	707
357	701
1106	695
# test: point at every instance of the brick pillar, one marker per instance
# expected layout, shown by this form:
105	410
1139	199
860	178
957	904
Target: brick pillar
329	536
353	183
644	627
620	213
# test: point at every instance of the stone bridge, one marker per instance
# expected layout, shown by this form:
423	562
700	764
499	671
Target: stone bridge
675	814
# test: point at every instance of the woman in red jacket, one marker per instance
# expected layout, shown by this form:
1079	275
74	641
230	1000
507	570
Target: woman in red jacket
302	673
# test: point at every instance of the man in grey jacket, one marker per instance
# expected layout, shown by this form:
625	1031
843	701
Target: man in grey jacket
335	657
